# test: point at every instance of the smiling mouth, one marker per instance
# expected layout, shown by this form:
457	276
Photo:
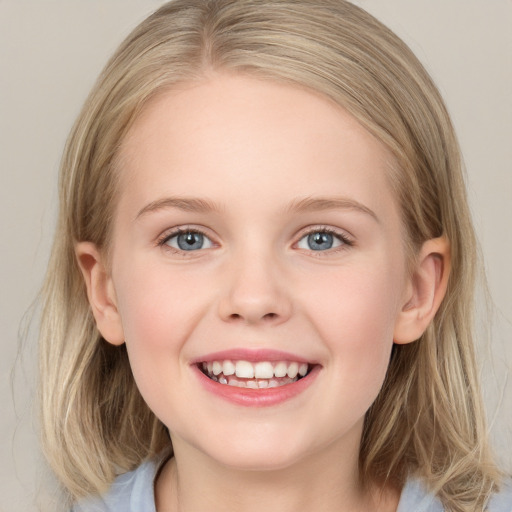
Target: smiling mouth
255	375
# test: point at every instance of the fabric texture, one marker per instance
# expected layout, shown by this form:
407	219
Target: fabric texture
134	492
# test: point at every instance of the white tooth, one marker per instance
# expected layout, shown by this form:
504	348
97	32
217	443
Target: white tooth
293	370
244	370
263	384
205	367
217	367
280	369
263	370
216	379
223	380
233	382
228	368
303	369
209	367
252	384
273	383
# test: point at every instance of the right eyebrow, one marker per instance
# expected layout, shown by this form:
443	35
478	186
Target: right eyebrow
188	204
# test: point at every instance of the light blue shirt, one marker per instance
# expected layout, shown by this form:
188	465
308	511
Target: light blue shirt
134	492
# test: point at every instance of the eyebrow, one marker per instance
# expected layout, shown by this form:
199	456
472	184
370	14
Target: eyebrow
317	204
302	205
188	204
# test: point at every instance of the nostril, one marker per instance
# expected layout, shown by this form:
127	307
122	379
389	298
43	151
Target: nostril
267	316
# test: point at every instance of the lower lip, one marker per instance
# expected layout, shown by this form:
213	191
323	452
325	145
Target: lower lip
265	397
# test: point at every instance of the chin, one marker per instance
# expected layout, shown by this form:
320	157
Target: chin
258	456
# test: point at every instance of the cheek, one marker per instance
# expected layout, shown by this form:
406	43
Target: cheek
155	317
355	315
356	300
155	305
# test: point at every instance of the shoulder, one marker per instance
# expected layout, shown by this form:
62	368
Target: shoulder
416	497
130	492
502	501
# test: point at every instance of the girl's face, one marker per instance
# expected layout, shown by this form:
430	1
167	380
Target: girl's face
256	233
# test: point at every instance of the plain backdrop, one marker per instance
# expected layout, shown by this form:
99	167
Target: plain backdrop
50	54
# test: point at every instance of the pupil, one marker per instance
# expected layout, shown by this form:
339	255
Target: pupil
190	241
320	241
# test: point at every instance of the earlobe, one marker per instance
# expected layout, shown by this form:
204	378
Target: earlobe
425	292
100	292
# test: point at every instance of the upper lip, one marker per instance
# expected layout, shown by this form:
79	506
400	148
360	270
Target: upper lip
251	355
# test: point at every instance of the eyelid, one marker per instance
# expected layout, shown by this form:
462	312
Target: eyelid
163	238
346	239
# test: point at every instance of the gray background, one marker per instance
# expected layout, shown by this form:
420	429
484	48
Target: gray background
50	54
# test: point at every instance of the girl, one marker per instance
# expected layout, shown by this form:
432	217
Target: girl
260	291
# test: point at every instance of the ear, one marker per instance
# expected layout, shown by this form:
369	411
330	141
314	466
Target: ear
424	291
100	292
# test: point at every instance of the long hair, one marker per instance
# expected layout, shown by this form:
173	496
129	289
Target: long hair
428	419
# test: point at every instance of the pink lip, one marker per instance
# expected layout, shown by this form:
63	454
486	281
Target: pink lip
257	397
252	356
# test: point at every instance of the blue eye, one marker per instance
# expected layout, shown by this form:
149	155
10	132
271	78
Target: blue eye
321	241
188	241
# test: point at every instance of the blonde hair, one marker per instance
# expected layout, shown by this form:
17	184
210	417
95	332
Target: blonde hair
428	419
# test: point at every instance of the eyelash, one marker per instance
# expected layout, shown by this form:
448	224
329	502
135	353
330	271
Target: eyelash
162	241
342	237
346	241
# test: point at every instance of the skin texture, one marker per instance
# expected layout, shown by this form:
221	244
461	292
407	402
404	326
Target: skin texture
259	154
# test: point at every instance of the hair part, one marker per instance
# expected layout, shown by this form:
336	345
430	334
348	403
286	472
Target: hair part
428	418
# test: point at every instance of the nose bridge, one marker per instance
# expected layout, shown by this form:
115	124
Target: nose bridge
254	288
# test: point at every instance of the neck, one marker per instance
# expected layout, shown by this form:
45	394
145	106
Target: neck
327	481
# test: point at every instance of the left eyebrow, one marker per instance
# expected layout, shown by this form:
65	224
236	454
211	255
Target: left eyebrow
317	204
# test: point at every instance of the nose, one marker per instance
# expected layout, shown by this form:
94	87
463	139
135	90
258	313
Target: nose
254	292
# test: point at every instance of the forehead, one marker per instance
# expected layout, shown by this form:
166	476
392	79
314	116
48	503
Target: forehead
260	137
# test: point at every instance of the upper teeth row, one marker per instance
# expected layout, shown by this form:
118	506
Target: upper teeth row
259	370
